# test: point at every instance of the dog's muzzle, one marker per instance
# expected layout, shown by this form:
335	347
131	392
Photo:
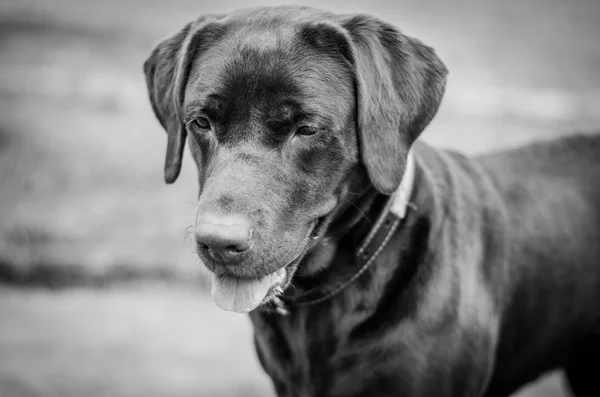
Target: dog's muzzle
226	242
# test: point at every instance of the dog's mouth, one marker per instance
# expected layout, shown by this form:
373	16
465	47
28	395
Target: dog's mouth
318	228
242	295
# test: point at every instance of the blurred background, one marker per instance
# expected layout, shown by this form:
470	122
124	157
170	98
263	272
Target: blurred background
100	294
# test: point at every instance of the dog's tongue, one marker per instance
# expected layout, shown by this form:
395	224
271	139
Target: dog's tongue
239	294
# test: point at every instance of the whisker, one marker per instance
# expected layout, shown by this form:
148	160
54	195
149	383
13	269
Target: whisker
187	232
293	286
361	211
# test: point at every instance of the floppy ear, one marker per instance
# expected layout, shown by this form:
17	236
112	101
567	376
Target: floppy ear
167	70
400	83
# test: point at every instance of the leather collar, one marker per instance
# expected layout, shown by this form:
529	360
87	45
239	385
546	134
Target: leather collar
390	219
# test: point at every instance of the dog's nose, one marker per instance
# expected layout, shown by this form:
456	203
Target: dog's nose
224	238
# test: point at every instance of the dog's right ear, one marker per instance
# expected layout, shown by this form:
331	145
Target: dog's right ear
167	70
400	83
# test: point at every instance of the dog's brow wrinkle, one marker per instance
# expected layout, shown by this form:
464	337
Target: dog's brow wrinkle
192	106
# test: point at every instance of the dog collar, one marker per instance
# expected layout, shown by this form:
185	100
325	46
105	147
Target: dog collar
387	223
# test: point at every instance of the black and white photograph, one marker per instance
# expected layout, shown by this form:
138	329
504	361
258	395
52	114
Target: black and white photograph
299	198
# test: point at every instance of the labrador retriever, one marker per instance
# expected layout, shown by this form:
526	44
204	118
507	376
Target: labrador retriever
371	263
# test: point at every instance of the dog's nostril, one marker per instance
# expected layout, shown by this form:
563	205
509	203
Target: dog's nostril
236	249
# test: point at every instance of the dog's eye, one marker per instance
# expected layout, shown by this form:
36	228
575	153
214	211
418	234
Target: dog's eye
306	131
202	123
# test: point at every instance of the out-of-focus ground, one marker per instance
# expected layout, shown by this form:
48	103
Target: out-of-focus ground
82	203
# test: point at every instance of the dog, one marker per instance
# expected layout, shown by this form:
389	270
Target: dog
371	263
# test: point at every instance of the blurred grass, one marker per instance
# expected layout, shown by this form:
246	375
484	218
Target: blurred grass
82	200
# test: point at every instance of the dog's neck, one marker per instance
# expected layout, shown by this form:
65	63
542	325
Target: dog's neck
366	225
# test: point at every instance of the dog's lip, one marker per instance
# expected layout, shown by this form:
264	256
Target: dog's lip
278	288
308	242
319	224
316	224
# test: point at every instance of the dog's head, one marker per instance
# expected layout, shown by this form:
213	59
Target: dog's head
284	109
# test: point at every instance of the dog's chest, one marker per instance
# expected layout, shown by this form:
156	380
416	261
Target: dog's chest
292	352
298	352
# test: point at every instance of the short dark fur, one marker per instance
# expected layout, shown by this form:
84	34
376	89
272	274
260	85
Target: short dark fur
492	280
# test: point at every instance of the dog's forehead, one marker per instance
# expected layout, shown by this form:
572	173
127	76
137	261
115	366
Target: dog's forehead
268	63
280	15
264	39
268	28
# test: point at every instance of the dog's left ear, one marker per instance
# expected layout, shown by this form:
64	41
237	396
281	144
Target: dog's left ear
160	70
400	83
167	70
